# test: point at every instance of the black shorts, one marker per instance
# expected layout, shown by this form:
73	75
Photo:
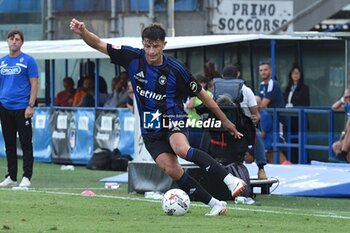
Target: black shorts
158	143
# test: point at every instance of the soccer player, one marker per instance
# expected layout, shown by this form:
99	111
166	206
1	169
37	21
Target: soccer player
160	85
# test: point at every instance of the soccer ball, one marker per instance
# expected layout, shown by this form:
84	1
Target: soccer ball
175	202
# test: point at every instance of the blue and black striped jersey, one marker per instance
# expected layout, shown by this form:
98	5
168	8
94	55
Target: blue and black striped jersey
159	90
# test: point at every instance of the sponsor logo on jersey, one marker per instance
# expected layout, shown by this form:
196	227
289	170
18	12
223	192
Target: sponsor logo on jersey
140	77
10	70
162	80
149	94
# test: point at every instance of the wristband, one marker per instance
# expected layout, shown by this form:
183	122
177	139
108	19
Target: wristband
31	105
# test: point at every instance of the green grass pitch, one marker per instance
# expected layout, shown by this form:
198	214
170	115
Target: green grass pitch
54	204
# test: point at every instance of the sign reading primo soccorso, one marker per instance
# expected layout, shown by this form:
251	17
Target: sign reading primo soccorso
232	16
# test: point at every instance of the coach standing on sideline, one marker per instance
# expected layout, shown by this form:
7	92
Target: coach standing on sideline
18	91
160	84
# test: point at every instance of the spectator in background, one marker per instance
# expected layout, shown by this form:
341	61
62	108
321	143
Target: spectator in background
89	67
89	98
251	110
210	71
267	134
296	95
87	92
195	134
269	90
119	96
111	101
342	147
65	98
88	70
193	102
130	103
271	94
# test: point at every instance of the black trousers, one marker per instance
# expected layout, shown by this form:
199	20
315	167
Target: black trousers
13	121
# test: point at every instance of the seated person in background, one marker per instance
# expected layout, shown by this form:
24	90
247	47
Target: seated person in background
195	134
266	133
130	103
210	71
86	89
89	70
251	110
65	97
193	102
342	147
119	96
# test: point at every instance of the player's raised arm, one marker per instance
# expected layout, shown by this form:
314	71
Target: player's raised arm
90	38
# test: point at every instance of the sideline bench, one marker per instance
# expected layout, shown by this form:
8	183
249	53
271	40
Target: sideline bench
264	185
146	176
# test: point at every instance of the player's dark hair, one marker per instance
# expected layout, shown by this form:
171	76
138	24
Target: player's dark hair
14	32
154	32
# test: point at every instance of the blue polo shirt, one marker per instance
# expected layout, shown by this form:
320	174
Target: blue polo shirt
273	92
15	73
347	109
266	126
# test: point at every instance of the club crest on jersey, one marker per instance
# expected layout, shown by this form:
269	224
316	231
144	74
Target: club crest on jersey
193	86
162	80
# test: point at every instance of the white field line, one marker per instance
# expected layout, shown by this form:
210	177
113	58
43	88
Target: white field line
316	214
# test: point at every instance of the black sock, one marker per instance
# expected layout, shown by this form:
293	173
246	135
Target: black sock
206	162
261	166
342	154
192	187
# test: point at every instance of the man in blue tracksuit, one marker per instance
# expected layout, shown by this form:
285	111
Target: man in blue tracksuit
18	92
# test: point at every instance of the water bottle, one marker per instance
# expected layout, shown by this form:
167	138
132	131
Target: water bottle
240	200
67	168
244	200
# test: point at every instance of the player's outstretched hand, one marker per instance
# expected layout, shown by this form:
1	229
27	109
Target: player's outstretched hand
231	128
76	26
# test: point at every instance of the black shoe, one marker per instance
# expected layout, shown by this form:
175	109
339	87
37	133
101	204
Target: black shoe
341	156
